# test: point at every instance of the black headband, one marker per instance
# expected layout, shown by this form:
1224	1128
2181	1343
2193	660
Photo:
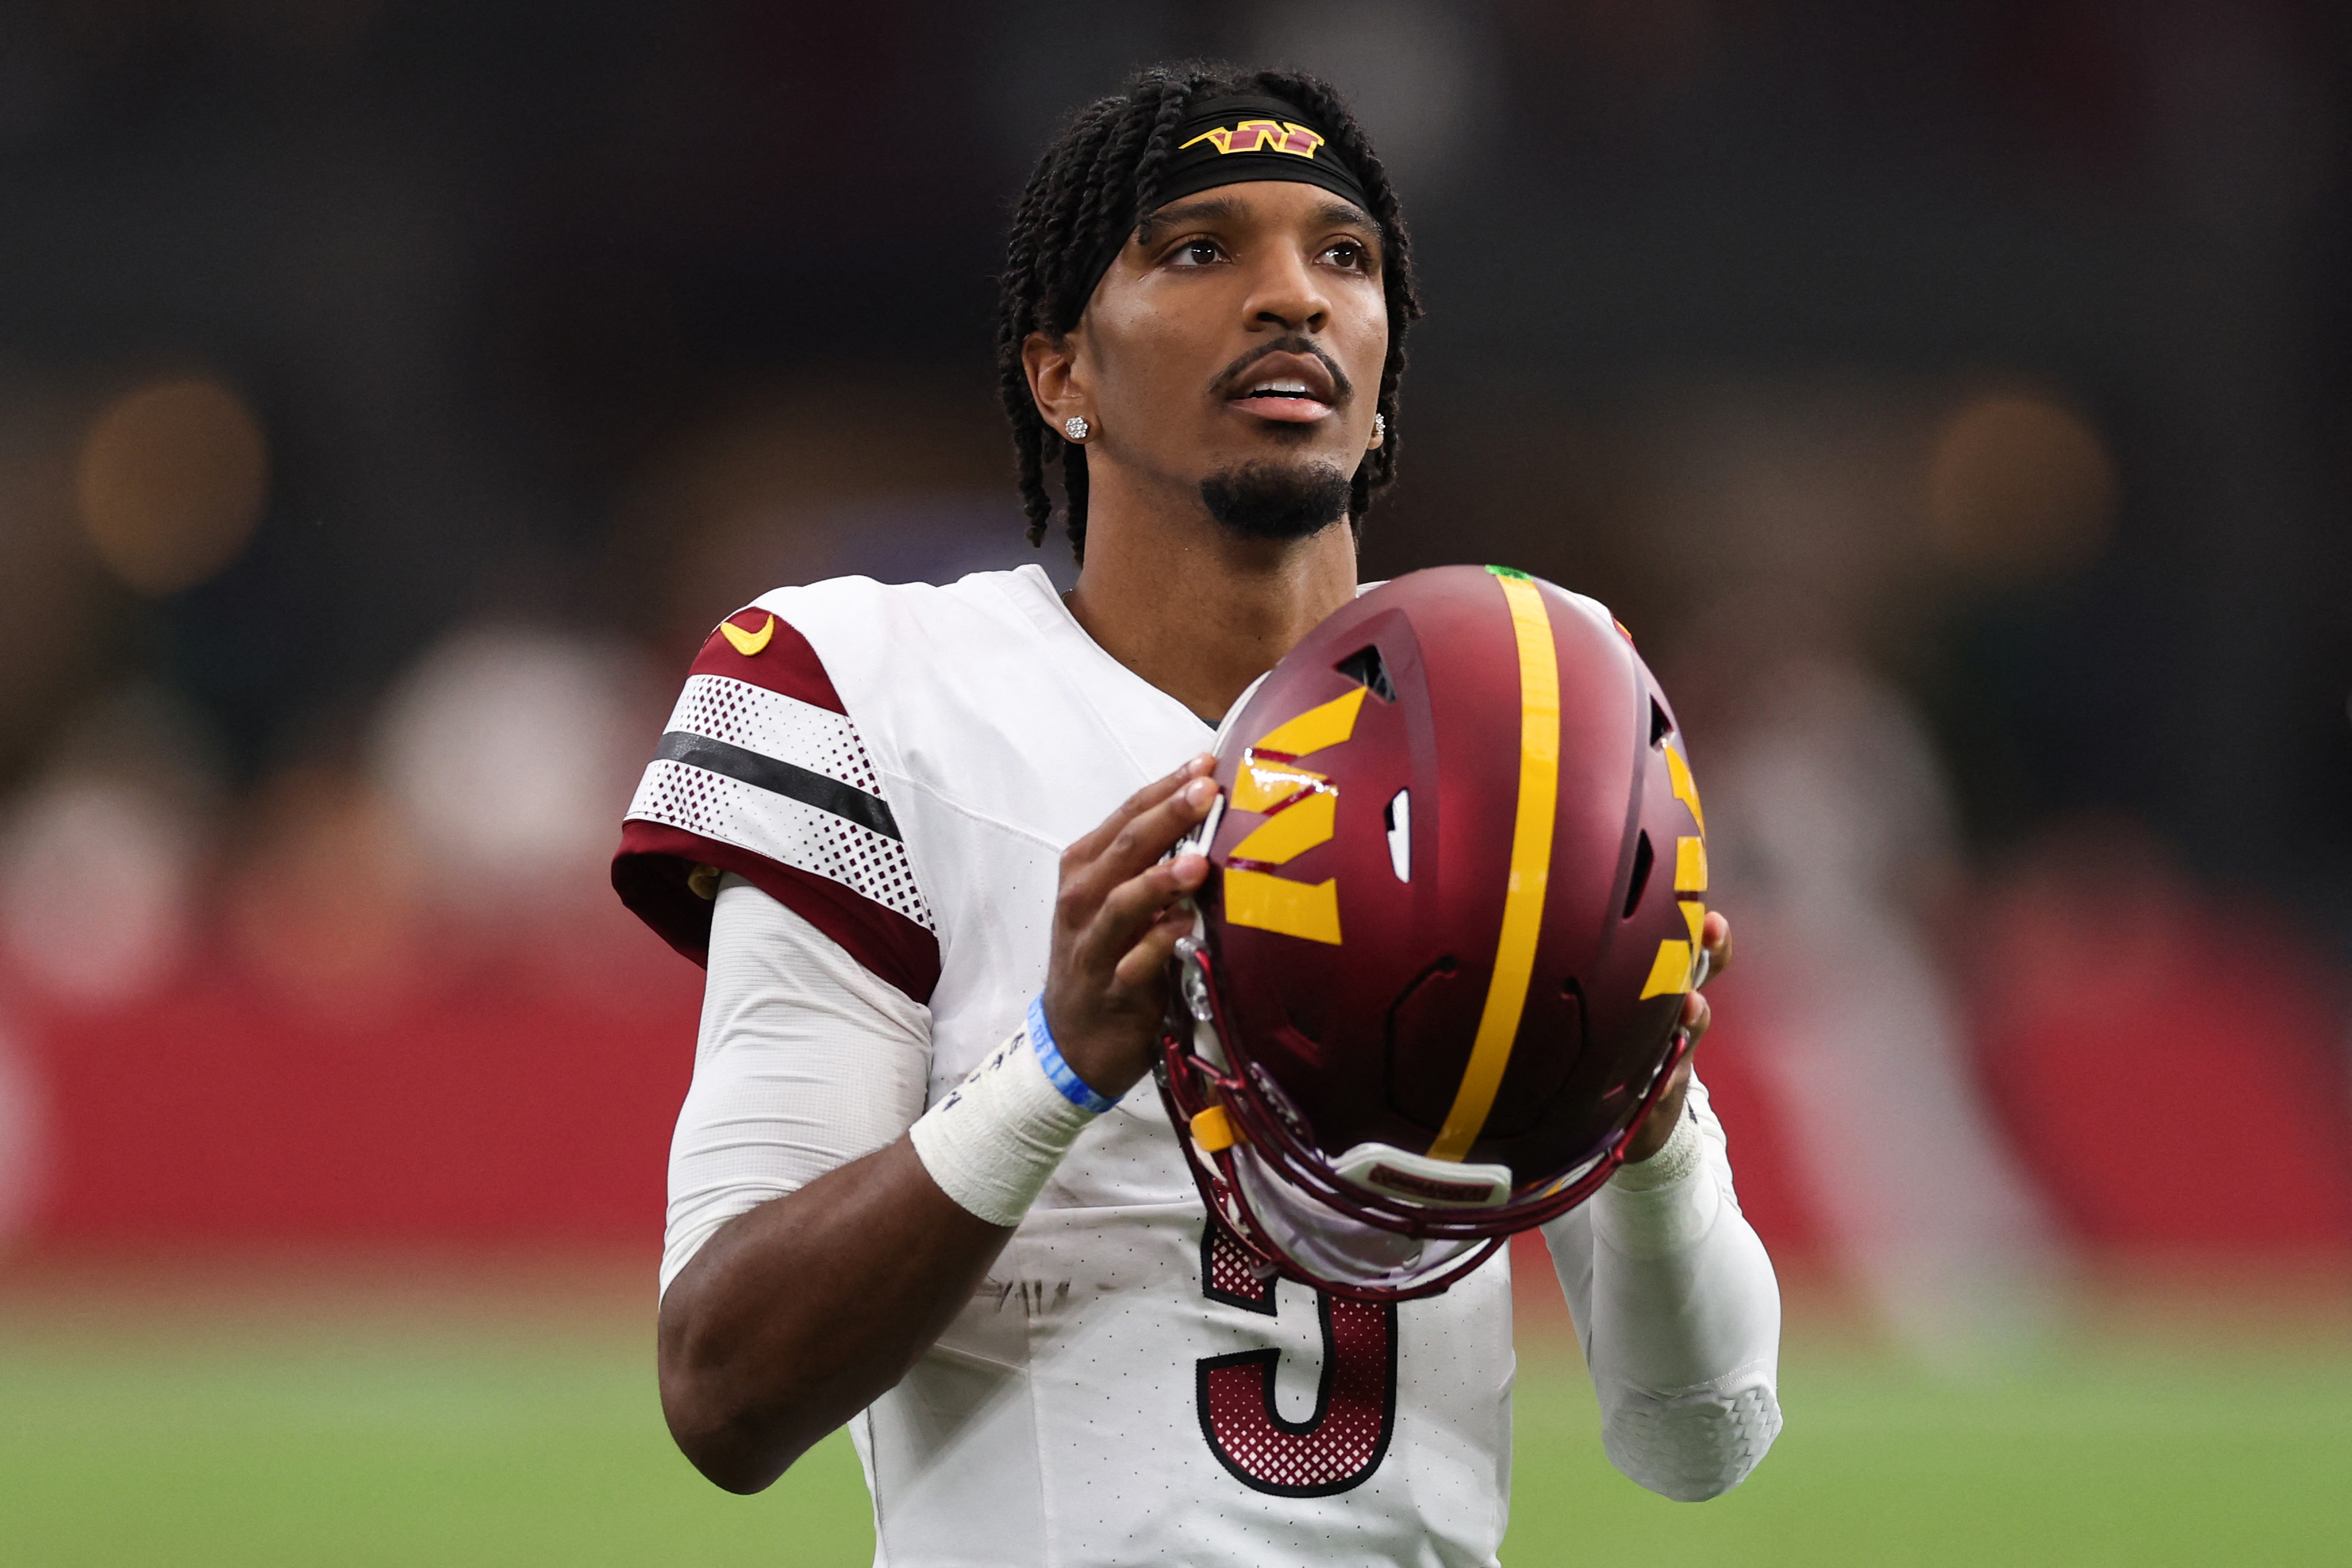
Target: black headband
1231	142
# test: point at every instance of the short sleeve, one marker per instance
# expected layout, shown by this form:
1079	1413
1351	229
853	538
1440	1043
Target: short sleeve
761	771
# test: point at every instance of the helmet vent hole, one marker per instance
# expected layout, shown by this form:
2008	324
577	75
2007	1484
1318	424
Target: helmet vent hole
1364	667
1639	883
1397	817
1661	726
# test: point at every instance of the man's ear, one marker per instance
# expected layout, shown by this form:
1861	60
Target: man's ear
1055	379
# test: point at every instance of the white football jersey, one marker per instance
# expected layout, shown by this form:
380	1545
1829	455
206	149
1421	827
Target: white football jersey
903	765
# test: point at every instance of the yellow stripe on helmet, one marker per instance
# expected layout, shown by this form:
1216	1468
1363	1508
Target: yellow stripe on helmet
1523	899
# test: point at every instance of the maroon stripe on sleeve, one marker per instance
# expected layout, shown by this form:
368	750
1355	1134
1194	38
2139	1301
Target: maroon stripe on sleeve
650	875
780	659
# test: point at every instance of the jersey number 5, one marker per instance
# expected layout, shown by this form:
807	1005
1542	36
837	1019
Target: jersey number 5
1341	1445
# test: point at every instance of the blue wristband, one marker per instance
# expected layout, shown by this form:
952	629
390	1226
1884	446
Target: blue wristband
1057	1072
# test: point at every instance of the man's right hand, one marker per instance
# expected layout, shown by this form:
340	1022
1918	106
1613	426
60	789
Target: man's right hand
1116	921
796	1315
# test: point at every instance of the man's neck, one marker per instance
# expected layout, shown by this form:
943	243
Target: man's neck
1195	609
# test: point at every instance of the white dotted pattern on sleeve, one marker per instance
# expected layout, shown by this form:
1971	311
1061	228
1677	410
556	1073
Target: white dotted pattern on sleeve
777	827
776	725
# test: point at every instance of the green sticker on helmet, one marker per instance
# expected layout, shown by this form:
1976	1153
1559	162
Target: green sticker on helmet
1512	571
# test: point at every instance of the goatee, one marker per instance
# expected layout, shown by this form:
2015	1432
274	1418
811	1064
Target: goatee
1268	500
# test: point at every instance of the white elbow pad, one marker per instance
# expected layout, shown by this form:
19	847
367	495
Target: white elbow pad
1695	1445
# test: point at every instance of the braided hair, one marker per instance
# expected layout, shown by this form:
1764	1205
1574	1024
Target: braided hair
1104	170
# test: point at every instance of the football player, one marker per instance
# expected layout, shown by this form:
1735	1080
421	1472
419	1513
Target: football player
920	838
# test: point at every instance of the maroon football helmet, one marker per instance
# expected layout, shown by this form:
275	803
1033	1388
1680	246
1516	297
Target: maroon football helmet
1437	979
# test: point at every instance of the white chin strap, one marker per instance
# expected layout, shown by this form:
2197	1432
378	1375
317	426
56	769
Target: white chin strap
1388	1171
1326	1242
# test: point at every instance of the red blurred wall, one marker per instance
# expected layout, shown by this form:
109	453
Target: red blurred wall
514	1101
2181	1091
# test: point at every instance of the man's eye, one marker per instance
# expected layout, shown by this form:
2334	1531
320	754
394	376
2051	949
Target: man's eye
1347	254
1195	253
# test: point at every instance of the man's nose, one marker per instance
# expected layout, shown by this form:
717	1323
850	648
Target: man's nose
1289	295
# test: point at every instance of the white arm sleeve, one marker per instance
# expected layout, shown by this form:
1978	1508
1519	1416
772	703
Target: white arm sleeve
1679	1315
806	1061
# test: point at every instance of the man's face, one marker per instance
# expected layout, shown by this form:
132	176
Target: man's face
1233	350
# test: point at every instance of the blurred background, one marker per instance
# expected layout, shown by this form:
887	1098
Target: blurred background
1954	399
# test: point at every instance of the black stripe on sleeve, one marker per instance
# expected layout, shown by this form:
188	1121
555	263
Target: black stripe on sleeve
780	777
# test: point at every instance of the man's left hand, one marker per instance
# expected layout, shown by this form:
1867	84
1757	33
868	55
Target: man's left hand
1715	939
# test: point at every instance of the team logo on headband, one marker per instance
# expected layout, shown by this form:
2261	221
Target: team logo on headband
1261	136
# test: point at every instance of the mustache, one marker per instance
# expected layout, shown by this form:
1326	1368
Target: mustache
1232	374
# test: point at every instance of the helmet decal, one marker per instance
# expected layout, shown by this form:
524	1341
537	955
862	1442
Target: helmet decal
1327	725
1685	787
1303	821
1690	865
1671	972
1673	969
1266	784
1287	908
1301	808
1530	867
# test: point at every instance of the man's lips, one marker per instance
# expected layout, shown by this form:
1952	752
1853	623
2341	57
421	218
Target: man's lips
1291	389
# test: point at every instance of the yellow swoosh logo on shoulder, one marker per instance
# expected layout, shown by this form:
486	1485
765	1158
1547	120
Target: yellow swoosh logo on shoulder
748	642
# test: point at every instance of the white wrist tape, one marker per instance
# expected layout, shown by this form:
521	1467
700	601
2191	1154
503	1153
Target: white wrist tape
1663	1204
993	1142
1683	1152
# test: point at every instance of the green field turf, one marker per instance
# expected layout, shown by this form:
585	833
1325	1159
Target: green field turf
326	1438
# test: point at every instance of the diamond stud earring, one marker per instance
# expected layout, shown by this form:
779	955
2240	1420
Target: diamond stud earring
1076	428
1379	428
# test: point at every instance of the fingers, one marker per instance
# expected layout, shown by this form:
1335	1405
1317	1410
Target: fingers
1677	1087
1143	963
1714	937
1149	832
1133	909
1159	789
1696	1016
1154	794
1659	1124
1120	913
1134	851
